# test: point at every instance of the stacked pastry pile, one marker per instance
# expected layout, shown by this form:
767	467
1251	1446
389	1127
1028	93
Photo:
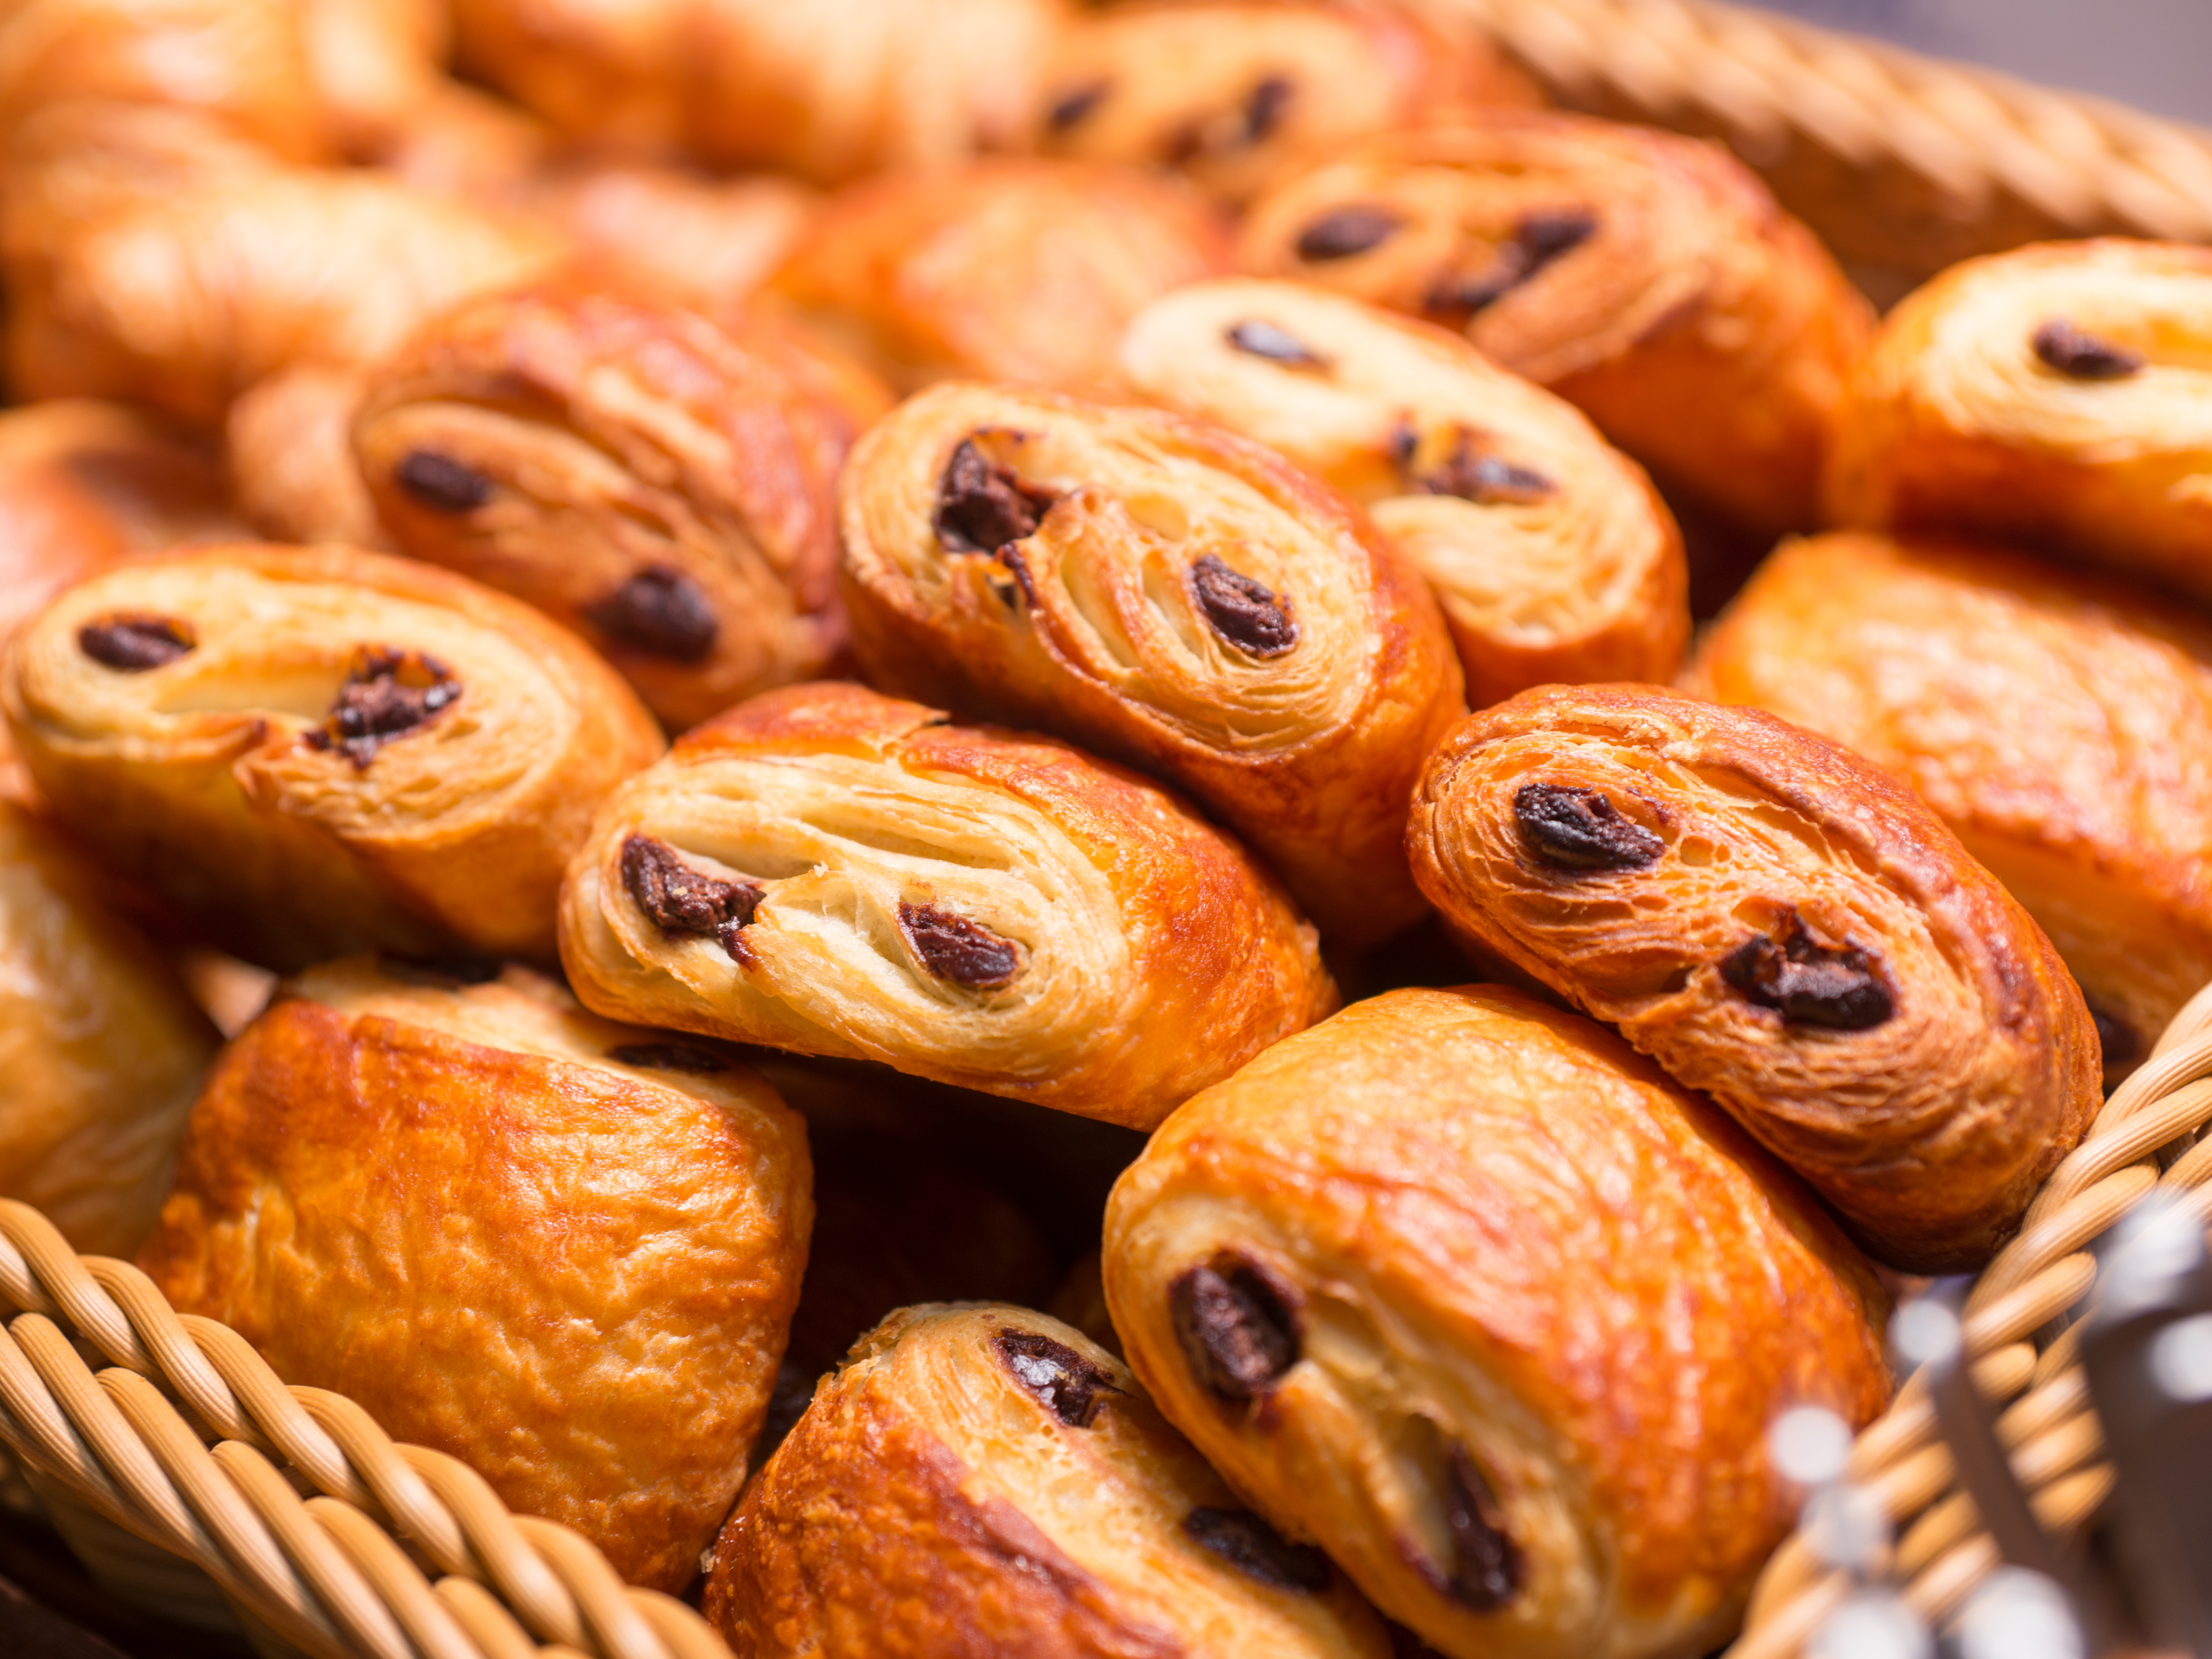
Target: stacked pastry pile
1063	519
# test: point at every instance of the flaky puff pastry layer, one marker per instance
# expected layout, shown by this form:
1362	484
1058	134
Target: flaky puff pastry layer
1551	554
1648	279
1458	1287
831	871
2058	396
1784	926
980	1480
313	749
101	1046
660	481
1172	594
2061	724
1022	271
565	1251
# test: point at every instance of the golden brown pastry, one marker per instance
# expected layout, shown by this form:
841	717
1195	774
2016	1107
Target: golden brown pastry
101	1047
982	1479
288	445
1462	1290
1022	271
313	749
559	1248
661	482
2055	395
829	871
2057	722
719	239
1233	93
1648	279
1172	595
1784	927
1552	557
828	88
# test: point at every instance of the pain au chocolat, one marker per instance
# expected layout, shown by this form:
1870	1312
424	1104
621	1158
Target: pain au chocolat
1170	594
980	1480
1553	556
829	871
2057	722
2055	395
313	749
659	480
1649	279
561	1249
1459	1288
1784	926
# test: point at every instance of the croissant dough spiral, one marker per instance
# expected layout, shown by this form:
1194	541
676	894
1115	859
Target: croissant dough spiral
564	1250
1782	925
978	1480
1460	1288
1169	593
827	869
313	749
1552	557
2058	395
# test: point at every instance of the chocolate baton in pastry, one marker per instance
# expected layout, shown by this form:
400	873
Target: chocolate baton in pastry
1783	926
2054	395
100	1045
561	1249
833	872
2058	722
980	1480
1168	592
1648	279
1457	1287
1009	270
661	482
1554	558
317	748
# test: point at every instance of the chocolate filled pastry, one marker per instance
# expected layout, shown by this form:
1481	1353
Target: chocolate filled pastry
287	445
560	1249
1553	556
1460	1289
1233	93
1783	926
832	871
1648	279
718	239
980	1479
313	749
2055	395
2058	722
1173	595
658	481
1020	270
101	1046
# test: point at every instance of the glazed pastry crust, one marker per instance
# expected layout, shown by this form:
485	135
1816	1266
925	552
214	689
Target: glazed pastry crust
2055	720
1553	556
458	1206
1493	1226
1926	1087
202	776
1648	279
931	1504
1019	270
1130	954
662	483
1097	625
1955	421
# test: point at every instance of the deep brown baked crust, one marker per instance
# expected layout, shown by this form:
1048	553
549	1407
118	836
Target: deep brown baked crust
1453	1250
1169	593
1783	926
980	1480
2057	722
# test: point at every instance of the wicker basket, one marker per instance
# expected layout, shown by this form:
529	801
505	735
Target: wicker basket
190	1480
